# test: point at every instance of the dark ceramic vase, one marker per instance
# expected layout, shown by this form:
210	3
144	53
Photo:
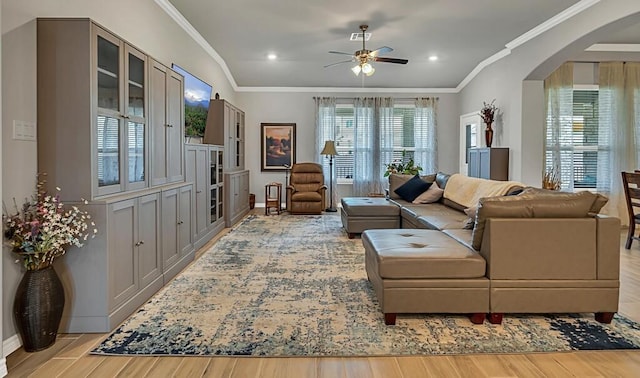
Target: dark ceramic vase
488	135
37	308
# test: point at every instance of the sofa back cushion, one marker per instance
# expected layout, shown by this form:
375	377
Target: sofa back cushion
397	180
531	205
411	189
598	199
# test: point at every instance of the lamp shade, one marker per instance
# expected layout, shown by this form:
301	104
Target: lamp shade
329	148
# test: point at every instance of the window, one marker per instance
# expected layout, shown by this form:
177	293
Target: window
585	138
577	140
403	137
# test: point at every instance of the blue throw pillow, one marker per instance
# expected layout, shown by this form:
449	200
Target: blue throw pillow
411	189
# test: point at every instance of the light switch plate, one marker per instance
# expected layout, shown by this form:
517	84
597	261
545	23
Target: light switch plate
23	130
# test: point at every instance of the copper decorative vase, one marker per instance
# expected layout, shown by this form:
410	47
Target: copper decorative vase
488	135
37	308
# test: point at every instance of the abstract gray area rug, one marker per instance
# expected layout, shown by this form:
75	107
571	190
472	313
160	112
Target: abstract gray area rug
296	286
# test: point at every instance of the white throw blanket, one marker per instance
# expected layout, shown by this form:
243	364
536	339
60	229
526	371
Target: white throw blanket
468	190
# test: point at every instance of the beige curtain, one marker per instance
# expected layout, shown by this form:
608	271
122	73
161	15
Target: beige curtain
619	131
424	134
558	90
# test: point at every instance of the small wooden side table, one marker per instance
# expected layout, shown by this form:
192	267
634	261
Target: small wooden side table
272	197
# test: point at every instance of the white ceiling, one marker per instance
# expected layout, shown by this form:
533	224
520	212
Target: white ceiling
462	33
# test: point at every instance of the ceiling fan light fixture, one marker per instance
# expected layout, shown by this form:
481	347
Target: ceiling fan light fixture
367	69
370	72
356	69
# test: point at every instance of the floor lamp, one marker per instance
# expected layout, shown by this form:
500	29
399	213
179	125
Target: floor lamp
330	151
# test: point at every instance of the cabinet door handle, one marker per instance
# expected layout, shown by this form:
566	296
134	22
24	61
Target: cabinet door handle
169	125
137	244
198	191
181	222
141	242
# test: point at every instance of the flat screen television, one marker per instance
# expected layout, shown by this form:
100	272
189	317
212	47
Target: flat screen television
197	94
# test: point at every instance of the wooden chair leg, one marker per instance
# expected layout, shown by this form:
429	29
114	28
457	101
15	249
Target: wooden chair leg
632	231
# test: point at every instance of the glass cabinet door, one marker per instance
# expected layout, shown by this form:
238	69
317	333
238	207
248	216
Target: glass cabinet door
108	151
135	152
108	74
136	115
109	122
136	86
121	127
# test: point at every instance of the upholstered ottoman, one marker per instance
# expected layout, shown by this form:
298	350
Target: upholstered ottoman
367	213
425	271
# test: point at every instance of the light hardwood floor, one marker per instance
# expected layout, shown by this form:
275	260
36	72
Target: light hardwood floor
69	357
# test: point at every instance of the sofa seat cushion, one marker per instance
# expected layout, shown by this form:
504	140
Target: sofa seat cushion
434	216
366	206
463	236
421	254
306	197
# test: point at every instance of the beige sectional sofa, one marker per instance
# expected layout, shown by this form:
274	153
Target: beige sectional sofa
530	251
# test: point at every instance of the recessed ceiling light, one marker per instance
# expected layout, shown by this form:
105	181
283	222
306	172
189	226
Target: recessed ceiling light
433	58
272	56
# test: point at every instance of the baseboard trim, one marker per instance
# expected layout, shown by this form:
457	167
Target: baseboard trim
3	367
10	345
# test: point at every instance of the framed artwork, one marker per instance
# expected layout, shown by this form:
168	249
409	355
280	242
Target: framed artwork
278	146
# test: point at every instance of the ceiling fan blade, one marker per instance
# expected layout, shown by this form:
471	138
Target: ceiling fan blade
336	63
340	52
391	60
381	51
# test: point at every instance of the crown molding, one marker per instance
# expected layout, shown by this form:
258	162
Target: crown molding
481	66
614	47
346	90
197	37
550	23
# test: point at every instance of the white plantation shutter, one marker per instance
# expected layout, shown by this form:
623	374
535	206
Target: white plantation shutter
585	138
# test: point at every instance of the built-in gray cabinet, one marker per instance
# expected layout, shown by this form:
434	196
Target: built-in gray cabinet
489	163
110	130
237	201
216	184
134	252
92	110
225	126
167	128
198	167
177	235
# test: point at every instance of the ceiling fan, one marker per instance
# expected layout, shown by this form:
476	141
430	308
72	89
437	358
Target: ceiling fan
364	57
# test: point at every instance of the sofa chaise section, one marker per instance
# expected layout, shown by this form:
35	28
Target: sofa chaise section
425	271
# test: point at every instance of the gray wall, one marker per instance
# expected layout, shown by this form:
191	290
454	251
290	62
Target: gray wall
3	365
520	126
140	22
299	108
